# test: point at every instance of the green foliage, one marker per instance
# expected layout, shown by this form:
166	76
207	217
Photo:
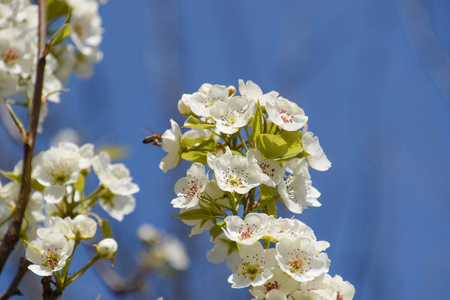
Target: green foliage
193	122
271	146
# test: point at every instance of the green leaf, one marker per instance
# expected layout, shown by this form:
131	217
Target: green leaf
62	32
190	143
195	156
216	230
79	185
266	192
271	208
257	124
106	229
56	9
271	146
294	141
197	214
193	122
11	175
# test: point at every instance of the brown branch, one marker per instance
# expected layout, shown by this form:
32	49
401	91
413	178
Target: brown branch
13	287
12	235
47	292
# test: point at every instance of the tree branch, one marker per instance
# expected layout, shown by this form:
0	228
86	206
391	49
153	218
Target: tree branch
13	287
12	235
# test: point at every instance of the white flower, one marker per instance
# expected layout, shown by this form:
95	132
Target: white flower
86	27
221	250
106	248
115	177
8	85
48	253
325	287
280	282
236	173
253	266
117	206
171	144
148	234
296	190
313	152
269	167
175	253
56	168
232	115
252	91
15	52
286	114
82	226
190	187
247	231
83	65
184	104
298	258
201	102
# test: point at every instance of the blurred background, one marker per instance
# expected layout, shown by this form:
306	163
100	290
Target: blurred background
372	76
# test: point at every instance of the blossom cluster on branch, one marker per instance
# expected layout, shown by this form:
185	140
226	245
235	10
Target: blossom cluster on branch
45	203
248	154
19	52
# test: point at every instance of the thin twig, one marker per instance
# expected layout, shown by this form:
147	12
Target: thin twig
13	287
12	235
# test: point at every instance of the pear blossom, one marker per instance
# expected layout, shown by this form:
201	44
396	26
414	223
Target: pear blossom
86	26
232	115
251	90
107	248
296	189
171	144
246	231
8	84
117	206
270	167
48	253
115	177
325	287
236	173
313	152
82	226
298	258
201	102
252	266
280	284
223	247
56	168
15	52
184	104
190	187
286	114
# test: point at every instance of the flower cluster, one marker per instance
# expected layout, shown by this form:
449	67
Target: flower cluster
250	152
19	54
58	183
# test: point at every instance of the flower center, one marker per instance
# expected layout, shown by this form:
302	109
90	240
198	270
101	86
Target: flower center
286	117
250	270
339	296
79	28
192	190
296	264
271	286
10	57
52	258
234	181
246	233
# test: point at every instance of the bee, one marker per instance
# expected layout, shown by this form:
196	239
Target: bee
155	139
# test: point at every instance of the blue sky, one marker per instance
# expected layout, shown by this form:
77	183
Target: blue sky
373	78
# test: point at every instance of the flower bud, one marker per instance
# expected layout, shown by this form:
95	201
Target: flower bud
106	248
183	105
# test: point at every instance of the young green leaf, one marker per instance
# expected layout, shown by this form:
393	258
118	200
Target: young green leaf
193	122
271	146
